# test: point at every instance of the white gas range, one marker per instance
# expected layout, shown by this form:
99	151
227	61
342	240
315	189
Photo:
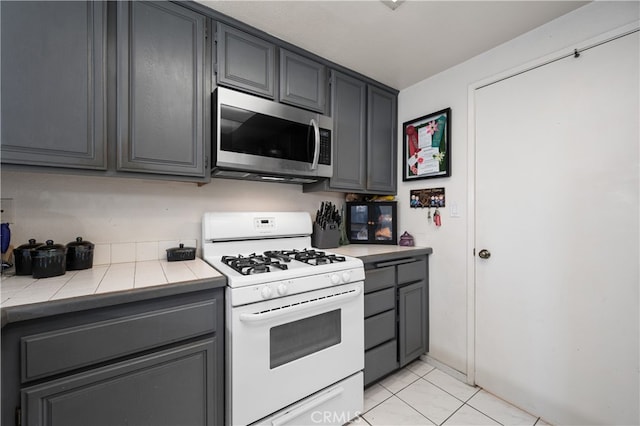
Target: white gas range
295	320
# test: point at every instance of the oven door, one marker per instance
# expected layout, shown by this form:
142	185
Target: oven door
285	349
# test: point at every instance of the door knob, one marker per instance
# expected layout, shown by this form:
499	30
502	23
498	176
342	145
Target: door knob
484	254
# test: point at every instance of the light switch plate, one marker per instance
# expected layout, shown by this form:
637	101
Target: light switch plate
454	211
7	210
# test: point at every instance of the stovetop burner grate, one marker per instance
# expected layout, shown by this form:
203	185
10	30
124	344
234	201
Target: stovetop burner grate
252	264
273	260
309	256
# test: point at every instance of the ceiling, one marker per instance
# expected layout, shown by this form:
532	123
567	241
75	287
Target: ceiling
396	47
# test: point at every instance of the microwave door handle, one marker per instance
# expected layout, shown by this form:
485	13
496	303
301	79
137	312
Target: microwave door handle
316	151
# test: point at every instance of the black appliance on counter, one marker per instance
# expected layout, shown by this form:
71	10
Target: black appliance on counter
372	222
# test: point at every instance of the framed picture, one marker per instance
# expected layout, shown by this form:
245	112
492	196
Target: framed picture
426	147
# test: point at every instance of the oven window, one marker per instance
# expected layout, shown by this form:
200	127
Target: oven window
297	339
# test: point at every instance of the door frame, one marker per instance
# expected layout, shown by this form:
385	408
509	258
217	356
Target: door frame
471	167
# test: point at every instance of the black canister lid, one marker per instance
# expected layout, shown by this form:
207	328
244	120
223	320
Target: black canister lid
50	247
180	249
80	244
31	245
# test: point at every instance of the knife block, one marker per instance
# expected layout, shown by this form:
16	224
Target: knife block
326	238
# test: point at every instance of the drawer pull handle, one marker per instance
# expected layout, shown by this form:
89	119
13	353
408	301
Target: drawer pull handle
310	405
395	262
300	307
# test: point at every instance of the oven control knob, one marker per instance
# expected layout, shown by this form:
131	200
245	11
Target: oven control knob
265	292
282	289
346	276
335	279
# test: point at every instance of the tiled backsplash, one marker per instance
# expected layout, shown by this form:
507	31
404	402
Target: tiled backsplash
104	254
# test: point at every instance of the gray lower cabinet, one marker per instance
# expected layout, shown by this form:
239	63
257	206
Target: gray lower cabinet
396	313
154	362
364	138
53	103
303	82
245	62
412	324
171	387
162	108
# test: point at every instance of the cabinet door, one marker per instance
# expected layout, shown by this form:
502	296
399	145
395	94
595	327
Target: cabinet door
245	62
383	223
348	110
381	146
53	84
413	326
173	387
358	223
162	106
303	82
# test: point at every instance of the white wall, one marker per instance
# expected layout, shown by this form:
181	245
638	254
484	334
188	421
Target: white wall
448	275
117	210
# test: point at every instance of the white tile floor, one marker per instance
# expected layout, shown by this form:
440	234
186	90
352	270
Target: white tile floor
420	394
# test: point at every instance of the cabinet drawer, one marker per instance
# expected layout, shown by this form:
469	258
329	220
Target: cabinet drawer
377	279
414	271
379	362
66	349
379	328
379	301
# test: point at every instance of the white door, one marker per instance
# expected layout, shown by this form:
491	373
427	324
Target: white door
557	194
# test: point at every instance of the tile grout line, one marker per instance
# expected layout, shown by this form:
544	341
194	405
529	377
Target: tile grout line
464	401
409	405
423	415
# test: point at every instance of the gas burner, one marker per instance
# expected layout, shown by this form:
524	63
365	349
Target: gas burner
308	256
252	264
279	254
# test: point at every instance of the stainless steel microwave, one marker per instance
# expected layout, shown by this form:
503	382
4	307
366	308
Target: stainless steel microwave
260	139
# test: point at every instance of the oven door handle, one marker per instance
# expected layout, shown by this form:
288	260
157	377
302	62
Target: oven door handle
291	415
303	306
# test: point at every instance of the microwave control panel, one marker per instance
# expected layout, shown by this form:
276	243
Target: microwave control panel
325	147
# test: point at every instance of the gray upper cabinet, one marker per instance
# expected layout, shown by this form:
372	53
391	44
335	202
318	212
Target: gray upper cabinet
53	84
382	146
303	82
349	110
245	62
364	138
163	89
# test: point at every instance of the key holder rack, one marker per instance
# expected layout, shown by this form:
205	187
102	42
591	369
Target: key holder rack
427	198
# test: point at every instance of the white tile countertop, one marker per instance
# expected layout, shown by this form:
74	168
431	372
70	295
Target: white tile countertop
101	279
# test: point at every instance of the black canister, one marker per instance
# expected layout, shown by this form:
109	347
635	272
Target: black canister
79	254
175	254
22	257
49	260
